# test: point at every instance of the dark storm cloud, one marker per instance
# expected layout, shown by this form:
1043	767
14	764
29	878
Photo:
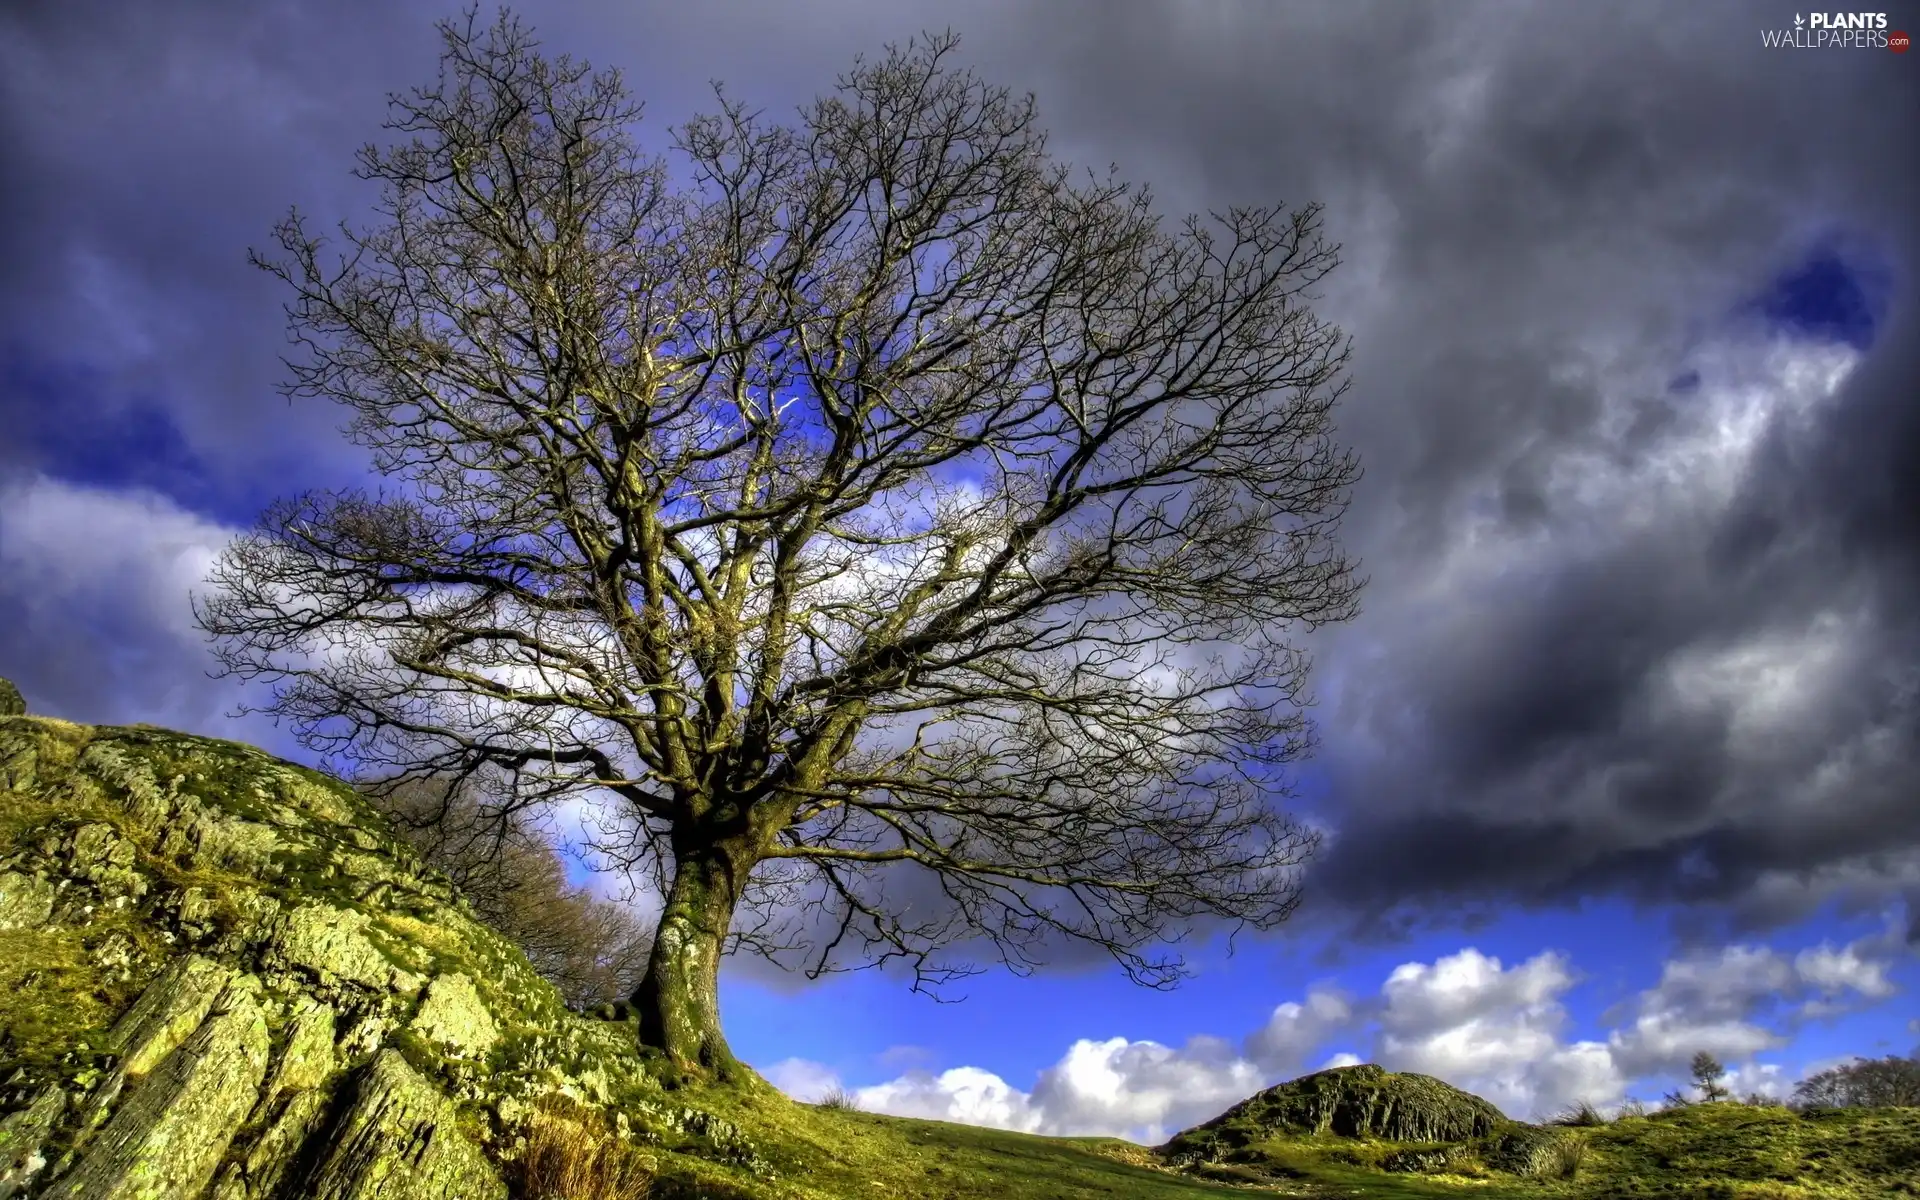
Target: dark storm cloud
1578	672
1643	605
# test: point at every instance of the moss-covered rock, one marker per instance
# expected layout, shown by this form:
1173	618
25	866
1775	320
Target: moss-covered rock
11	702
1529	1150
224	976
400	1140
166	1138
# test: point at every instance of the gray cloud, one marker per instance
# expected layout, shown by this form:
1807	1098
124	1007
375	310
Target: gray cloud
1609	646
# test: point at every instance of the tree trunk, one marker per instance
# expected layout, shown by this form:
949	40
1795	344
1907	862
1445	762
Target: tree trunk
678	1001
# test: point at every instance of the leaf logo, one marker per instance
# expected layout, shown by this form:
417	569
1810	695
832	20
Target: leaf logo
1798	20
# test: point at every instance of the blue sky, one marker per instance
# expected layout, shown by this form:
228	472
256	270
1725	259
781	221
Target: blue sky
1619	760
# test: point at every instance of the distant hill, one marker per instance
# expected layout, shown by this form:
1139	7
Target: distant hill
1363	1131
224	977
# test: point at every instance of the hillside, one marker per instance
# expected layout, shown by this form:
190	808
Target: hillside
223	976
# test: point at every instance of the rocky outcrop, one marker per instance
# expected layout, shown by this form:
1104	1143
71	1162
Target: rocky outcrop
1401	1122
1529	1150
222	976
1357	1102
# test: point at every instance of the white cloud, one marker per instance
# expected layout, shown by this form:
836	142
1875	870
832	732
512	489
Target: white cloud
1142	1090
1728	1002
98	582
1762	1079
1297	1028
1117	1087
134	553
1495	1030
965	1094
1845	969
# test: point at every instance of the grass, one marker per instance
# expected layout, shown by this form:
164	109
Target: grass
1710	1151
1580	1115
1703	1152
824	1153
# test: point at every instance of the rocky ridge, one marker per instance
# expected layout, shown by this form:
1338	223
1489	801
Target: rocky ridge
222	975
1430	1126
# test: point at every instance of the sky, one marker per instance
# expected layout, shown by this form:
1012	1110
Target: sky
1620	761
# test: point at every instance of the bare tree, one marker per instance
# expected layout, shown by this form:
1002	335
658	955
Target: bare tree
595	951
881	498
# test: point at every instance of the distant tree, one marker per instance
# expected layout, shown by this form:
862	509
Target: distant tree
1863	1083
594	951
884	499
1707	1074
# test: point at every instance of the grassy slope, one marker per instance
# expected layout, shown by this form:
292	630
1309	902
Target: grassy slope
825	1153
1708	1152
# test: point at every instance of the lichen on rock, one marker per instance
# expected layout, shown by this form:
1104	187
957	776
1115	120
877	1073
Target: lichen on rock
400	1141
25	902
454	1019
166	1138
244	986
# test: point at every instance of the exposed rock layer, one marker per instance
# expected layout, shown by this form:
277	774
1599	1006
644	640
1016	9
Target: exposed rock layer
222	975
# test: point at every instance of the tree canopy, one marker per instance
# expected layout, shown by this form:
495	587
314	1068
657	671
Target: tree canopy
876	511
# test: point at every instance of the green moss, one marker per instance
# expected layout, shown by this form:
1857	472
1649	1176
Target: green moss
52	1000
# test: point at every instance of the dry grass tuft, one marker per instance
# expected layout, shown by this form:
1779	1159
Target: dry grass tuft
571	1154
840	1099
1580	1114
1568	1154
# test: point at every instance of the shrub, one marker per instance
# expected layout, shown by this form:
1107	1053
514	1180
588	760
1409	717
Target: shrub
840	1100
